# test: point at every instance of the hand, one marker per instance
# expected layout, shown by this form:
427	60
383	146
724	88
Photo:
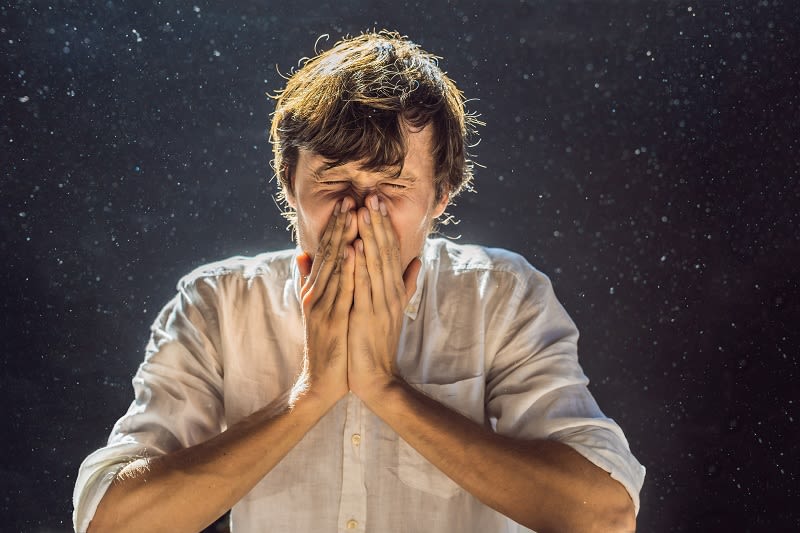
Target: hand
382	291
327	296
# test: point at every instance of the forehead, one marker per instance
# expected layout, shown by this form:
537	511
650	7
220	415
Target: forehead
418	161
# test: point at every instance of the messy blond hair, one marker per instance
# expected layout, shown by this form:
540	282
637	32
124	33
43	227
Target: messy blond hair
350	103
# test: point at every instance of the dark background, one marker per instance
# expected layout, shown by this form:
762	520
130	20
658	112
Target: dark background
643	154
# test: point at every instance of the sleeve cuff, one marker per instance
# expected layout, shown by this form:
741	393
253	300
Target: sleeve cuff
95	476
604	449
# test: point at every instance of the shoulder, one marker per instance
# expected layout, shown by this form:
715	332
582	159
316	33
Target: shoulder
490	271
276	265
450	256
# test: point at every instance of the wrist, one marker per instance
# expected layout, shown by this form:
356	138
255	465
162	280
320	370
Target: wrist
314	401
379	392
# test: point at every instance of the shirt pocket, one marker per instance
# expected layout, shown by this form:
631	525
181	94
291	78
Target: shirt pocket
414	470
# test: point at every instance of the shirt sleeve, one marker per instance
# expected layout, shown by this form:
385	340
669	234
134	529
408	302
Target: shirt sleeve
536	388
178	395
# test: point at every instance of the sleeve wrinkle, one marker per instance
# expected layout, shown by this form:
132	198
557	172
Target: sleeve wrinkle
536	388
178	399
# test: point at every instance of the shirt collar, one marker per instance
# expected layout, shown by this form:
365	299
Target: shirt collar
296	281
412	309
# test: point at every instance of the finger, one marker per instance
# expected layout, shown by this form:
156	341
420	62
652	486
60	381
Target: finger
362	292
351	227
328	255
344	297
389	248
410	279
327	282
323	242
372	255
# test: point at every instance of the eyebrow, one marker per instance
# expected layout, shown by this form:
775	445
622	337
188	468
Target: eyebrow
327	166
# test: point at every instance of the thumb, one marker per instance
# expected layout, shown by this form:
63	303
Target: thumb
410	277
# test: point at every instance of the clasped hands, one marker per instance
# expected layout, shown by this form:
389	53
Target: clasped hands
354	293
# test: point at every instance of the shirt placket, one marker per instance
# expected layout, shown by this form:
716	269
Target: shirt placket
353	503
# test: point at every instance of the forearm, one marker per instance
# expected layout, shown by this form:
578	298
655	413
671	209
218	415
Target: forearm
544	485
190	488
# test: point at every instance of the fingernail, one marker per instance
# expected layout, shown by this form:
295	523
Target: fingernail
360	246
347	220
383	209
366	218
373	202
346	204
338	208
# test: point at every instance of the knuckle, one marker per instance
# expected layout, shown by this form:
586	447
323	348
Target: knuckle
376	266
389	252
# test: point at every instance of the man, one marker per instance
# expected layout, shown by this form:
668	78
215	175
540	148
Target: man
375	380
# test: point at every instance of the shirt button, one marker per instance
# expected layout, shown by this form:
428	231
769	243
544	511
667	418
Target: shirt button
352	524
356	439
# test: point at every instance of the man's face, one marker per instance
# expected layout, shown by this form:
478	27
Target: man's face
409	195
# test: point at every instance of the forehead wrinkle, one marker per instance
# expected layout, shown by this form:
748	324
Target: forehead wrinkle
389	173
400	174
321	168
333	168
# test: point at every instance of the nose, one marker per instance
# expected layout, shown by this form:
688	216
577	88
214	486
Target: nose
359	197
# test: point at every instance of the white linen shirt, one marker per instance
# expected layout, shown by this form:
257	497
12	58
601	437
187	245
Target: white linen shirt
483	334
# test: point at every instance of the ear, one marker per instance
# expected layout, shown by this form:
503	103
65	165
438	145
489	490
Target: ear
289	190
440	206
